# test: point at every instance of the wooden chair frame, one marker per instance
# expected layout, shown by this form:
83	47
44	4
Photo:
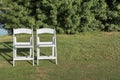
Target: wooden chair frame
52	44
29	45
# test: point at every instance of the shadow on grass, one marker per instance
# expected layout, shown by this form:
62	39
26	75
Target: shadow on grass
43	54
6	50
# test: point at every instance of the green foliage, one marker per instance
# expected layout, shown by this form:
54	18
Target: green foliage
113	15
46	14
17	14
67	16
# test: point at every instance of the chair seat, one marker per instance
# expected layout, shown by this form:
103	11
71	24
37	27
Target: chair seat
23	45
45	44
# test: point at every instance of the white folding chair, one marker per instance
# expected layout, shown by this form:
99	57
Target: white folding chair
23	44
52	44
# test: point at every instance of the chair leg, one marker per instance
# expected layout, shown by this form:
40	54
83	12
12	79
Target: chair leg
31	51
56	55
53	51
38	52
33	61
14	55
32	55
13	62
56	61
37	61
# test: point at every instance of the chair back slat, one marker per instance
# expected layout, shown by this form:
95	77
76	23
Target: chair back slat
22	30
45	30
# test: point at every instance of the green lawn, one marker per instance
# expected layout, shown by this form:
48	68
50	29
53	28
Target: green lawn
85	56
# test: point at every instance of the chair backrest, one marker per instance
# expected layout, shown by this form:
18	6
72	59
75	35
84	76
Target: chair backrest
46	30
22	30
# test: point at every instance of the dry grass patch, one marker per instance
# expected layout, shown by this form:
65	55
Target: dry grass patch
5	38
41	73
3	64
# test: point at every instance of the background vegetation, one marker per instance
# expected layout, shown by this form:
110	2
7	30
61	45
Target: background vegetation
67	16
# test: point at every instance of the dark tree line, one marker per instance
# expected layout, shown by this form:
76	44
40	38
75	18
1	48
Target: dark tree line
67	16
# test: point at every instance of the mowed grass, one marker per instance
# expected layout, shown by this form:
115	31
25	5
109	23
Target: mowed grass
85	56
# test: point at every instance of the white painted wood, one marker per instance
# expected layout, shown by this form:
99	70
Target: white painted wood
51	44
23	58
45	44
17	45
46	57
45	30
22	30
22	43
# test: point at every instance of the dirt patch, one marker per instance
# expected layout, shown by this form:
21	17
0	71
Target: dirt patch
3	64
110	33
41	73
6	38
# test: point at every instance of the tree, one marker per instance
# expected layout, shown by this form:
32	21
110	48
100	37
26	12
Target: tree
18	13
67	16
113	14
